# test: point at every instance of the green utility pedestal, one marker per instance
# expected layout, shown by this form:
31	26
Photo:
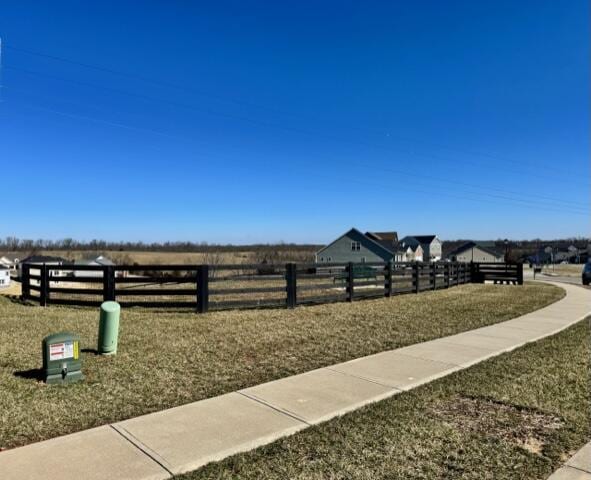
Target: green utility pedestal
108	328
61	358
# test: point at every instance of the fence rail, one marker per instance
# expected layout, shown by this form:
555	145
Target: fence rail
214	287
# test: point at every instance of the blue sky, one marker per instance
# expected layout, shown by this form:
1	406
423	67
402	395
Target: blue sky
265	121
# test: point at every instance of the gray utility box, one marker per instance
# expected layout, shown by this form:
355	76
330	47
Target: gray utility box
61	358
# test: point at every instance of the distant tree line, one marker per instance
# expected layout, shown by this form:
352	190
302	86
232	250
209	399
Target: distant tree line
14	244
263	253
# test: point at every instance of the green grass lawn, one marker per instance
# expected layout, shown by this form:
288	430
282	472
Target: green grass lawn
168	358
517	416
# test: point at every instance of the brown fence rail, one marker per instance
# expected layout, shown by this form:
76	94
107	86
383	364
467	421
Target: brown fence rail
217	287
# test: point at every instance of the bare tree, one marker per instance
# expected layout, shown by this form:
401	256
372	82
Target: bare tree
213	258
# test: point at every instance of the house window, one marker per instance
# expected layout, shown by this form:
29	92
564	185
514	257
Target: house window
355	246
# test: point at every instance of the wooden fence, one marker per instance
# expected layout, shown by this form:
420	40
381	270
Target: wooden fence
498	273
215	287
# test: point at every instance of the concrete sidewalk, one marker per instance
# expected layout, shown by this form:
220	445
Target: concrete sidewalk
577	468
181	439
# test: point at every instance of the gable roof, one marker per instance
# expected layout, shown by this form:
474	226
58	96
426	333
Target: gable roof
469	245
424	238
98	259
389	250
43	259
388	240
14	256
387	236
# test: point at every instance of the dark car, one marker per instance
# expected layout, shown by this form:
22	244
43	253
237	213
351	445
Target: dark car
586	273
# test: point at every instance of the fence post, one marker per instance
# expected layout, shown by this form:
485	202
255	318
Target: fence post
291	284
25	281
417	277
43	286
446	274
350	282
433	273
202	288
108	283
388	278
520	274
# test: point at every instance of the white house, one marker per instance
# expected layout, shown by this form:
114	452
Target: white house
11	260
95	261
413	253
5	262
4	277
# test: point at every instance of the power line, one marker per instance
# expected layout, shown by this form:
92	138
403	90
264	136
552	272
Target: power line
472	198
126	126
157	82
575	208
249	104
98	120
268	124
482	187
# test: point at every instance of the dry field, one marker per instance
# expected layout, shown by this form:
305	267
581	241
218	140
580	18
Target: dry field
157	258
190	258
567	270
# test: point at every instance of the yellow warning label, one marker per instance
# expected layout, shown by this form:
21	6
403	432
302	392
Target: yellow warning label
75	350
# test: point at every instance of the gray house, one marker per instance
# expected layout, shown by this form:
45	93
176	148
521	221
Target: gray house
473	252
430	244
358	247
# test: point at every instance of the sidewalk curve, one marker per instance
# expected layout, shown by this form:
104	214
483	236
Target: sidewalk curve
181	439
578	467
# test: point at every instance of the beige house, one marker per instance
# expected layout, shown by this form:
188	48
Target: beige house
472	252
431	246
413	253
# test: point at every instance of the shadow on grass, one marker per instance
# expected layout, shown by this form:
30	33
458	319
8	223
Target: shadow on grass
93	351
32	374
19	301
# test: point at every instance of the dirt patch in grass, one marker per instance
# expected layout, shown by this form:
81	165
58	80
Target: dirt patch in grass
528	428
